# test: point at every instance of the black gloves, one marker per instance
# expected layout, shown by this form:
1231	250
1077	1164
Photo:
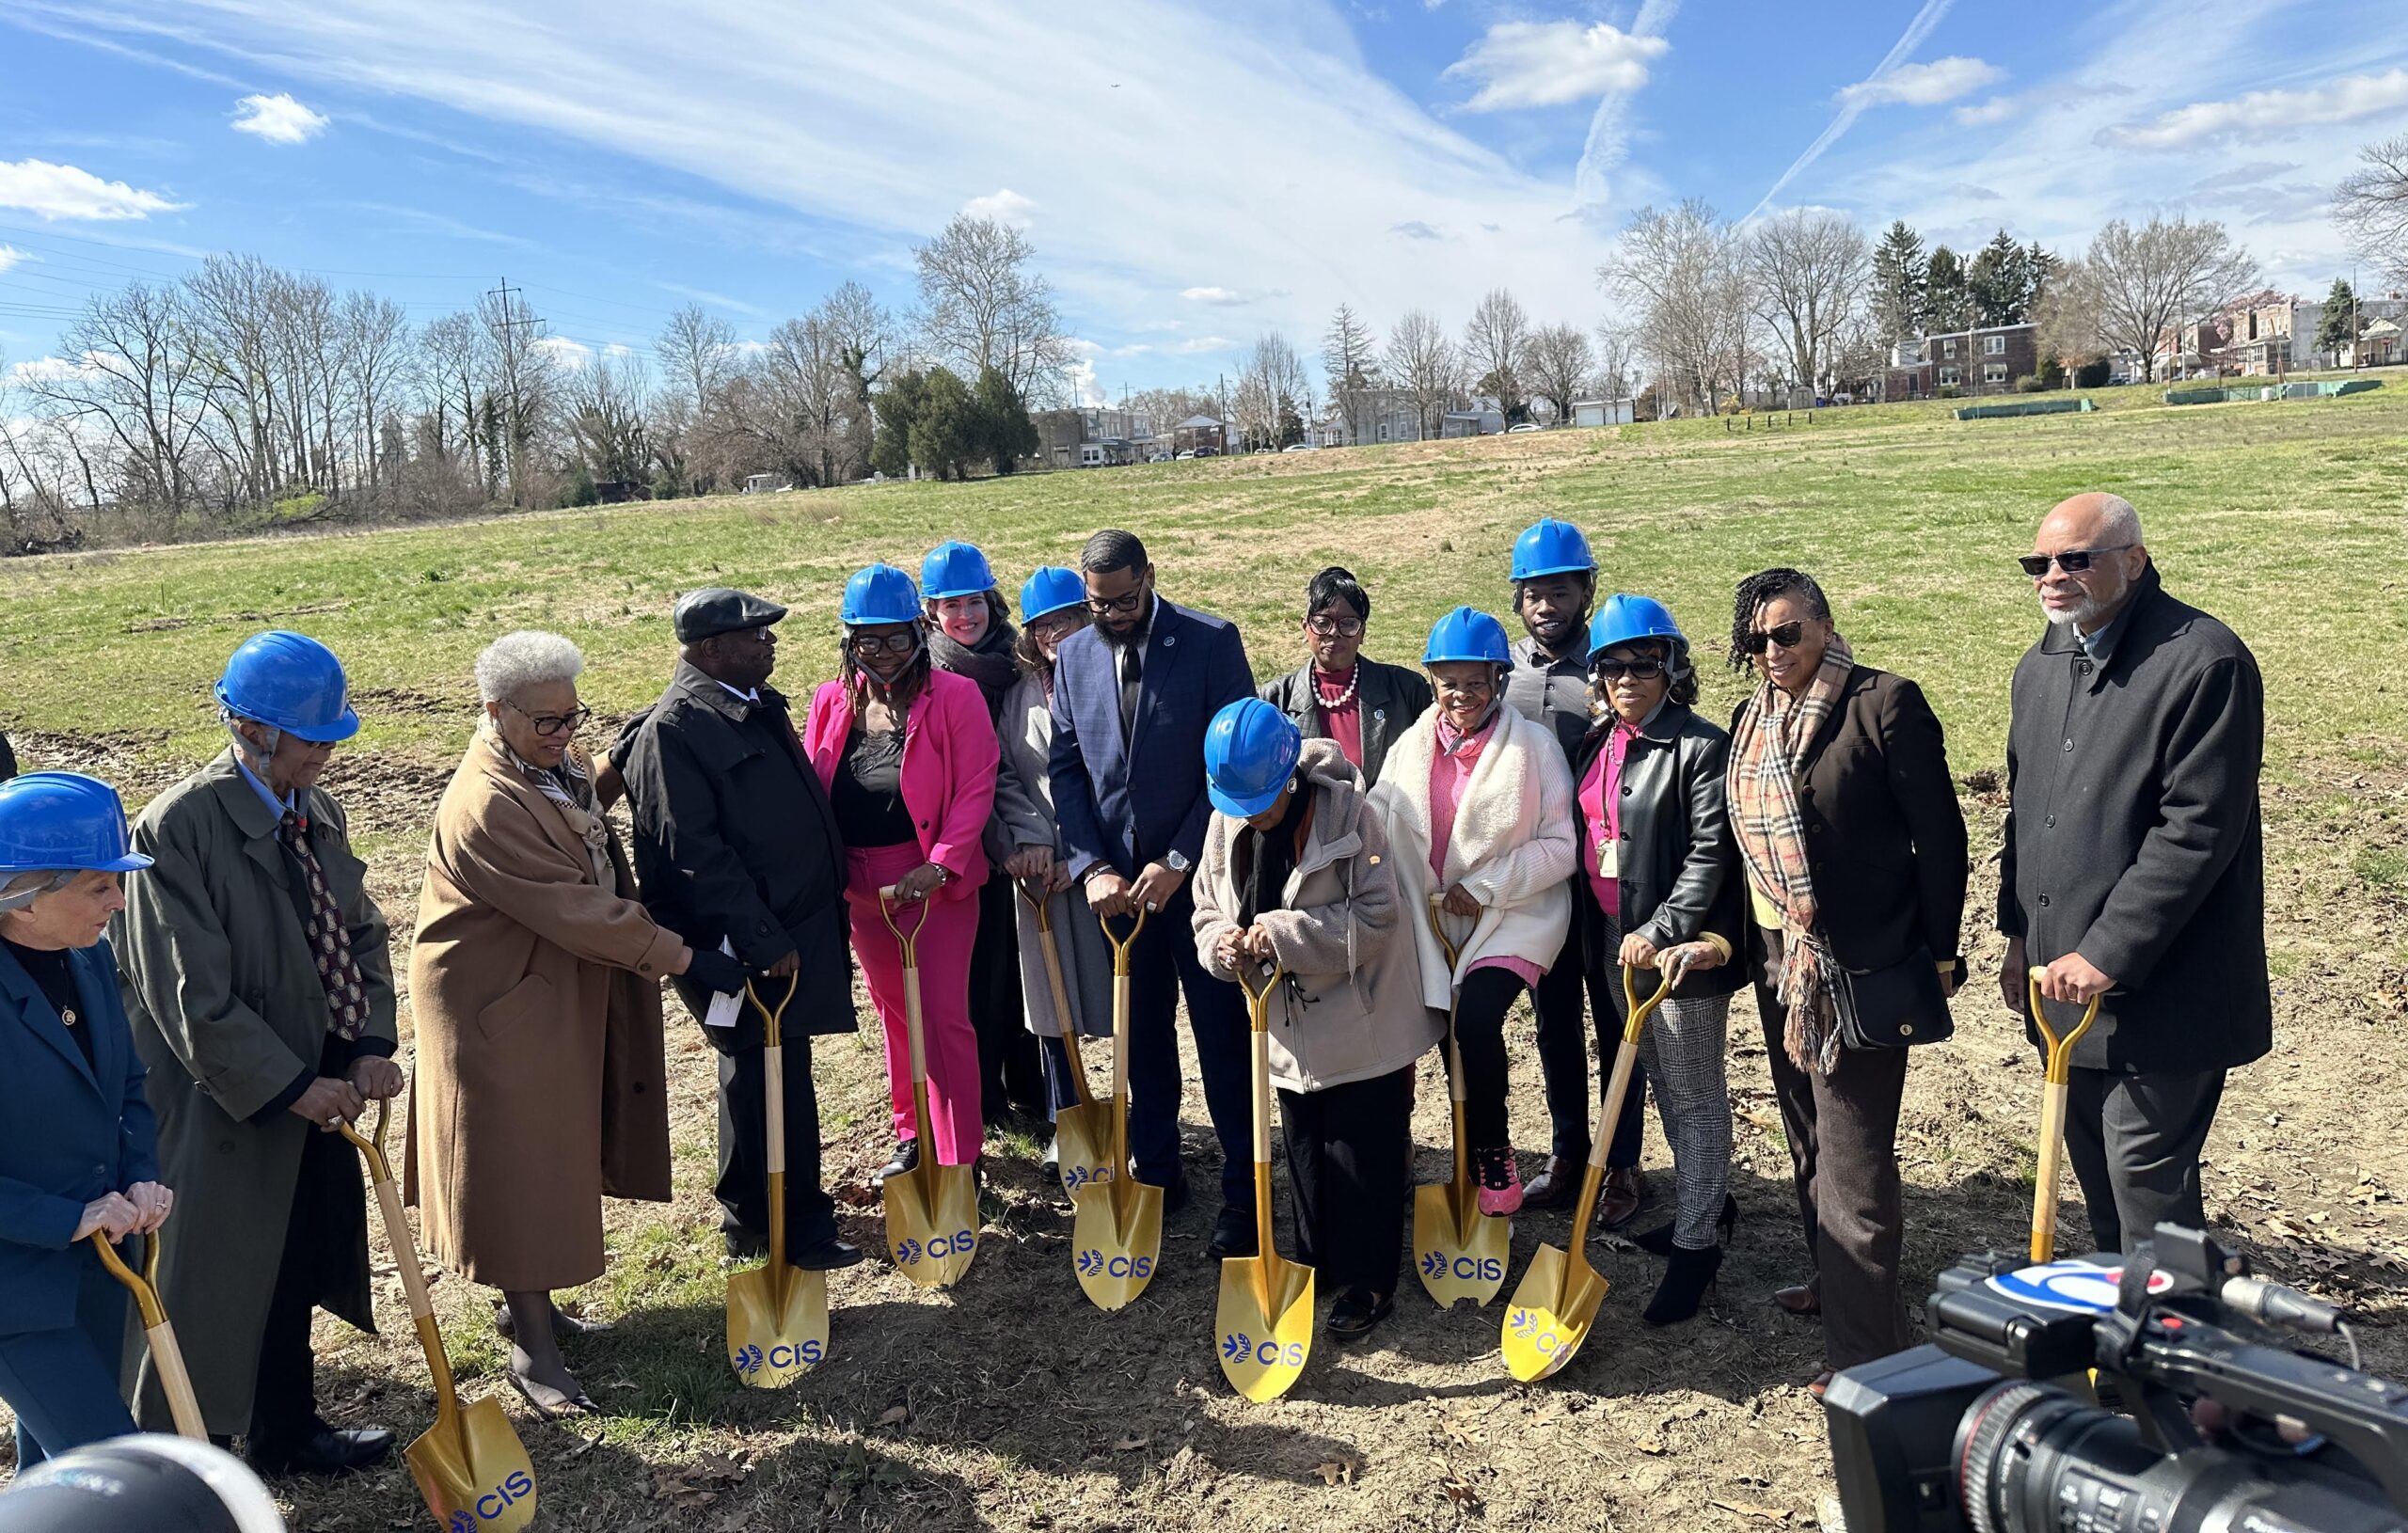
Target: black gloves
715	971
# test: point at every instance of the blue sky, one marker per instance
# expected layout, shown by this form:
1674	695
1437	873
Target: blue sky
1190	174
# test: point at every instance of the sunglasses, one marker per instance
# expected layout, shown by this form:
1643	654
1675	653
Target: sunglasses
2073	560
551	725
1787	635
1646	668
1336	627
902	644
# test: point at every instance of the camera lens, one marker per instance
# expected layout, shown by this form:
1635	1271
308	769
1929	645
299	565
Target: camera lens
2032	1457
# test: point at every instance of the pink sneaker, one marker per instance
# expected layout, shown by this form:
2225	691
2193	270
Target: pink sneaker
1500	1182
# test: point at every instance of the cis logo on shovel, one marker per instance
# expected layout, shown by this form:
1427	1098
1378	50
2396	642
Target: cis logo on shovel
1467	1268
960	1243
492	1504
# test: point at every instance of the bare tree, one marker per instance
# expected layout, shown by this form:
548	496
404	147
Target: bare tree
376	339
521	386
1350	365
1559	362
2371	206
1617	364
697	352
1274	393
1421	359
1493	343
810	395
863	333
981	305
139	386
1811	273
2066	316
2145	283
1679	268
605	403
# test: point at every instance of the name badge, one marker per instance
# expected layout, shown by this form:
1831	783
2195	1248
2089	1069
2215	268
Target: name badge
1609	858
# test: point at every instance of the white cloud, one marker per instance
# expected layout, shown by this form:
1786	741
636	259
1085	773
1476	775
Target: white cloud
2347	98
1982	114
618	352
1195	346
10	255
51	192
1852	106
1597	188
1924	85
1520	64
277	118
44	369
568	352
1003	205
1211	295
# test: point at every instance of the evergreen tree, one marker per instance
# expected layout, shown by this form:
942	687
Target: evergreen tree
1947	302
2039	270
1897	284
896	406
945	430
1004	433
1998	283
2339	326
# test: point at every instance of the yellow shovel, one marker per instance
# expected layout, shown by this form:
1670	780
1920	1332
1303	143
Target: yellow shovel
2052	1115
1460	1252
167	1358
1083	1130
1558	1300
777	1317
1116	1230
1264	1321
931	1209
470	1466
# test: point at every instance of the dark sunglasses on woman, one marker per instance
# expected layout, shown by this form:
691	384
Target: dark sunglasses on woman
1787	635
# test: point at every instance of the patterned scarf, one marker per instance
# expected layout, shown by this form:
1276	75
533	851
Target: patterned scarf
1771	734
570	787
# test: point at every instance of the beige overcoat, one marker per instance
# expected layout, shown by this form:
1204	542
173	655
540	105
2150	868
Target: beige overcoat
536	991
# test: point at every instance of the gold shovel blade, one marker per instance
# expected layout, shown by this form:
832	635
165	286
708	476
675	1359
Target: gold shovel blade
1082	1140
1551	1313
774	1337
479	1480
1261	1354
1459	1252
1116	1240
933	1220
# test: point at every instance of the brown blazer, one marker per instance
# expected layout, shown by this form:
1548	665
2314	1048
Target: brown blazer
538	1087
1884	834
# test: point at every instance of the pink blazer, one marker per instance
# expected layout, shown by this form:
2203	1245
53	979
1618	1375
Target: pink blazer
949	760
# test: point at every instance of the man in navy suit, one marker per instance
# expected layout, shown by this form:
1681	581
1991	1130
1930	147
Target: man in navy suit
1133	693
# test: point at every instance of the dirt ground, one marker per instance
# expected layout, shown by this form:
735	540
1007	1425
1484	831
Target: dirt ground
1010	1403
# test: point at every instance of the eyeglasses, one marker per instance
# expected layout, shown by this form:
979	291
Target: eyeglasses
1104	606
2073	560
896	643
1329	627
1787	635
1056	626
549	725
1477	686
1646	668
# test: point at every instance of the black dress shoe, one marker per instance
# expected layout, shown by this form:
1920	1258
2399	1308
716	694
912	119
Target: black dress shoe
745	1245
1556	1186
824	1255
1234	1235
1353	1313
907	1158
1684	1283
325	1451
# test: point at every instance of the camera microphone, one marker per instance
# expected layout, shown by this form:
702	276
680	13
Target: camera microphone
2276	1304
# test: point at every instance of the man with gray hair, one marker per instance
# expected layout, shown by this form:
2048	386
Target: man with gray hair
2134	870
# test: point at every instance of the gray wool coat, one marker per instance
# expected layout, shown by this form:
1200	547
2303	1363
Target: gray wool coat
2133	835
228	1013
1024	817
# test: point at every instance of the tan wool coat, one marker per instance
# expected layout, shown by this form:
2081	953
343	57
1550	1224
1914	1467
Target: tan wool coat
539	1083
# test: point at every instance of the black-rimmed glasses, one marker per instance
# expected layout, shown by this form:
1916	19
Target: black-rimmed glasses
894	644
1330	627
551	725
1106	605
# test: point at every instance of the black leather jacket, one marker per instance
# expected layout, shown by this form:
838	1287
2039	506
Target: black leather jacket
1679	862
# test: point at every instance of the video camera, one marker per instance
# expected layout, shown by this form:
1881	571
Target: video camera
2231	1429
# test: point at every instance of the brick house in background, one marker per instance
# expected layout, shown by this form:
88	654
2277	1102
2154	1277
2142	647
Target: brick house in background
1985	360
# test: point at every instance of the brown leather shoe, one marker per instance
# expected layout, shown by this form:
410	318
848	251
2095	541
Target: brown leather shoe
1822	1382
1798	1299
1624	1190
1556	1186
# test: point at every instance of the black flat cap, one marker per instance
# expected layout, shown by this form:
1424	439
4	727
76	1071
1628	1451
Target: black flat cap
716	610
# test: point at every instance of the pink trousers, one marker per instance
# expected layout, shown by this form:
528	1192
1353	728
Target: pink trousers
943	931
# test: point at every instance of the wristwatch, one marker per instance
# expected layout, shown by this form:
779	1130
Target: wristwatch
1177	861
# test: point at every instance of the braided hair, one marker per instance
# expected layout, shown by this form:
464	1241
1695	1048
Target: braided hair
1762	587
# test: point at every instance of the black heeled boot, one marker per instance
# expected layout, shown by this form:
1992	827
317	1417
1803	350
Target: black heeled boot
1684	1283
1658	1241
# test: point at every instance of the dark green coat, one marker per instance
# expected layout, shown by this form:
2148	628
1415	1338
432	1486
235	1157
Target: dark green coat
227	1013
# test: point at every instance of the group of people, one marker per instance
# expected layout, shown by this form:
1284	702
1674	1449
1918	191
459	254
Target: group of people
1408	848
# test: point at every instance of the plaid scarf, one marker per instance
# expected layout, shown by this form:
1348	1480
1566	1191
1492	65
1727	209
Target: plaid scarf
1771	734
570	787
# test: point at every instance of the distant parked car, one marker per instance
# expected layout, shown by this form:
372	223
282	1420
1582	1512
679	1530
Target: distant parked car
1524	426
1185	456
1300	447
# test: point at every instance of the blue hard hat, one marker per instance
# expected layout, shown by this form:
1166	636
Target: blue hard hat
291	681
1467	634
1050	590
880	594
1625	619
1250	751
63	820
1551	547
954	569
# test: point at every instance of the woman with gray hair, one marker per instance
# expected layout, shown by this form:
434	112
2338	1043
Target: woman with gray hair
536	978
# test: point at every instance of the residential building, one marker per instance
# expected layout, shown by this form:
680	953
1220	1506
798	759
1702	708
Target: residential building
1362	416
1482	417
1985	360
1198	433
1092	437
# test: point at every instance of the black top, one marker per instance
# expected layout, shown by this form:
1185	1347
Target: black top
48	967
868	791
1270	856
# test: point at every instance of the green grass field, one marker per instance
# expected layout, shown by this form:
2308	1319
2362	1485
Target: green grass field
1010	1404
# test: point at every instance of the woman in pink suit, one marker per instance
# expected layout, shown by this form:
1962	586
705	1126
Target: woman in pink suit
909	754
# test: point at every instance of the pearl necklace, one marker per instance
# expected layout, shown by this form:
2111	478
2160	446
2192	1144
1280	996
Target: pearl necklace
1331	705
